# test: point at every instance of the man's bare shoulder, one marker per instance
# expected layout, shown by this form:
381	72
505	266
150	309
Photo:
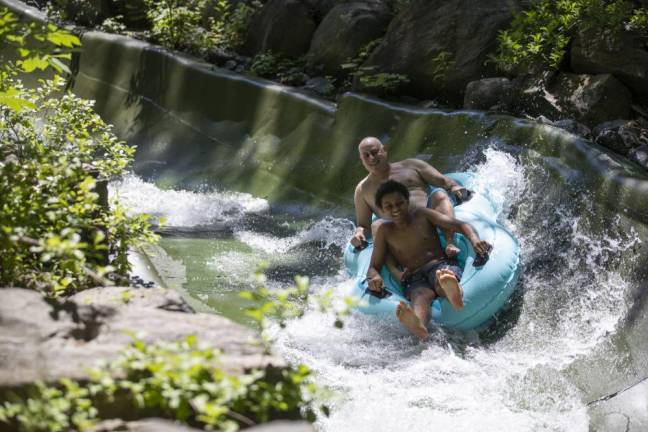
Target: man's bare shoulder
366	185
413	163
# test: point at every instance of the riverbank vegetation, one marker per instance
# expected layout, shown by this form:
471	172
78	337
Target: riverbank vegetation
59	235
538	38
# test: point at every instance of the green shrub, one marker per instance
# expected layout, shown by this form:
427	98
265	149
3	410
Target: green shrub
56	235
538	38
179	380
367	77
198	25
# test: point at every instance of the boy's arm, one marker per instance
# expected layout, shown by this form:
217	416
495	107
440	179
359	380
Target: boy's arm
363	219
374	280
452	224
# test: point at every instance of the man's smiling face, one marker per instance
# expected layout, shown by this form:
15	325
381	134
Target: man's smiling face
372	154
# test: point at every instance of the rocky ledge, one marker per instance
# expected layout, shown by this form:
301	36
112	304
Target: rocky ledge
44	340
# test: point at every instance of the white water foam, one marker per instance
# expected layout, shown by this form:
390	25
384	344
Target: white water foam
330	231
182	208
387	381
571	297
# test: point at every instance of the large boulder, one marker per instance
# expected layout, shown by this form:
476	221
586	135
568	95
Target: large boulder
533	98
345	30
489	93
284	27
592	99
622	54
442	45
624	137
47	341
589	99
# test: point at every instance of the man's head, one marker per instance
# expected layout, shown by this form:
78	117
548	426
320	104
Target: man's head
372	153
393	198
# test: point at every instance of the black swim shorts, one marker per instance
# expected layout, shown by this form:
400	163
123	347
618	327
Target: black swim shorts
425	276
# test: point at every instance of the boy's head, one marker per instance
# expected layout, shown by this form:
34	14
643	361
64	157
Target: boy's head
390	186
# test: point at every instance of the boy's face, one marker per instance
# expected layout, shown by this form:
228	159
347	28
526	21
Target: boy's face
395	206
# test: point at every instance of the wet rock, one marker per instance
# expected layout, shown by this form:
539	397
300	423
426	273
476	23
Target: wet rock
622	54
162	425
532	97
487	93
283	426
230	64
574	127
320	85
640	155
284	27
443	45
144	425
622	136
345	30
591	99
321	8
47	341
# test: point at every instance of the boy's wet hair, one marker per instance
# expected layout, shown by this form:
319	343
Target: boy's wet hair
388	187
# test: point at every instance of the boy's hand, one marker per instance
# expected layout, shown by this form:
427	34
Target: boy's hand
375	283
359	240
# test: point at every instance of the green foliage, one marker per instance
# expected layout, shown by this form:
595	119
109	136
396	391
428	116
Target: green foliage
179	380
55	234
538	38
48	45
282	305
197	25
367	76
51	408
285	70
176	24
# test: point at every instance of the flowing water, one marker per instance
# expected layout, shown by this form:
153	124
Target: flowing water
511	377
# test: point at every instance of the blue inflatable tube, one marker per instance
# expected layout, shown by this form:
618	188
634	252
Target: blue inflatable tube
486	288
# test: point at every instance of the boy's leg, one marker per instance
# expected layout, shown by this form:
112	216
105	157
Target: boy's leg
447	285
441	202
416	317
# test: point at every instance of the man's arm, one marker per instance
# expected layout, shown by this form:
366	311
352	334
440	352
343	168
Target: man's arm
431	176
452	224
363	218
375	281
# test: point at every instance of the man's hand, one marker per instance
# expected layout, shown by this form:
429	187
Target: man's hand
460	193
482	247
375	283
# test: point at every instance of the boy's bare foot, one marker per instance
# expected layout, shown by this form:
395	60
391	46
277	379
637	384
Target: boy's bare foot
450	287
452	250
406	316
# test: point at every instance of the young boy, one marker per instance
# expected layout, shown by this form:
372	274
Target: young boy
410	236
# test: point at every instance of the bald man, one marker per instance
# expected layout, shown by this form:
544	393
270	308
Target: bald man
413	173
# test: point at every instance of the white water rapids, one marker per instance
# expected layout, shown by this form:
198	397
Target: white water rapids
509	378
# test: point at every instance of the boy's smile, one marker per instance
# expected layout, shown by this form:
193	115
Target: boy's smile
395	206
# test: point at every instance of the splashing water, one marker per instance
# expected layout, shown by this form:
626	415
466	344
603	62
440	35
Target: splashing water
512	377
184	208
569	298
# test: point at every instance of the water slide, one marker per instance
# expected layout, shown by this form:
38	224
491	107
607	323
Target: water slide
246	170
